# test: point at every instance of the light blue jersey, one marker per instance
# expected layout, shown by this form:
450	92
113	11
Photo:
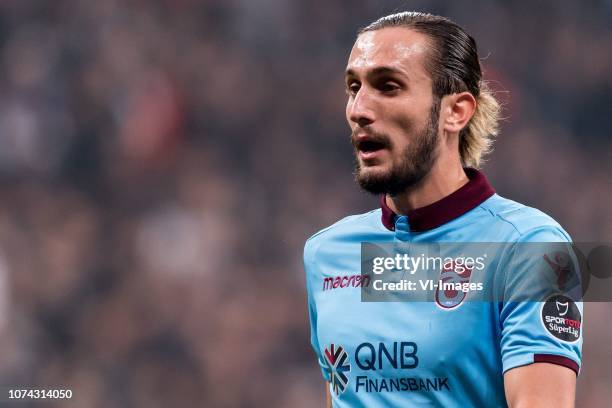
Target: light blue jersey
404	354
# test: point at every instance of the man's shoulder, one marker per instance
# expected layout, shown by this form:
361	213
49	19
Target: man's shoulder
527	222
351	226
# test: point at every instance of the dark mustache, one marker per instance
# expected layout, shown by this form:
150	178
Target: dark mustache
372	137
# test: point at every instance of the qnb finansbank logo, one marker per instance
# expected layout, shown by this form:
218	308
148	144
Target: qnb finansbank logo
379	367
338	365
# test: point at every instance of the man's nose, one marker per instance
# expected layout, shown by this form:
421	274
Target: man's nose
361	108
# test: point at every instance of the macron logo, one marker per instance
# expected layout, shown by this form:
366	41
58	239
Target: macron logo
353	281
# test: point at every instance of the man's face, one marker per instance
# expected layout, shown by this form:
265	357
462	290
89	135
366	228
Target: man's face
391	110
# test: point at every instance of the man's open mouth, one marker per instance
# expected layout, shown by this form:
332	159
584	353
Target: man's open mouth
368	146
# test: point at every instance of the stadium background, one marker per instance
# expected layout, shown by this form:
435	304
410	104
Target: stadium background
162	163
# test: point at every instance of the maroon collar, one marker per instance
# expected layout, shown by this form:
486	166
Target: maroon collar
474	192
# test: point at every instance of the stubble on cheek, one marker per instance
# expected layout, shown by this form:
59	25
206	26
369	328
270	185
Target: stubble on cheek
405	135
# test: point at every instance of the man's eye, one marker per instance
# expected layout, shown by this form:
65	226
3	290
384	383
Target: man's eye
389	87
352	88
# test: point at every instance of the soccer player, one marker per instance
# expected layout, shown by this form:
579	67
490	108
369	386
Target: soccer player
421	119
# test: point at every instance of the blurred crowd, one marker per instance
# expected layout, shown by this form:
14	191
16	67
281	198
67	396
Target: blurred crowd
162	163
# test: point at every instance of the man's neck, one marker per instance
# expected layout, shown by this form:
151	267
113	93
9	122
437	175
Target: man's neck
441	181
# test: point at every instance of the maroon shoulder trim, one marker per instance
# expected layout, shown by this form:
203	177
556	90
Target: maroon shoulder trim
466	198
554	359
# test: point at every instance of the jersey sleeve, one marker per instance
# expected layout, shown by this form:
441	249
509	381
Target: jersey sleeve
310	270
540	322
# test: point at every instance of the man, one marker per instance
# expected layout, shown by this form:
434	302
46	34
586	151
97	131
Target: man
421	120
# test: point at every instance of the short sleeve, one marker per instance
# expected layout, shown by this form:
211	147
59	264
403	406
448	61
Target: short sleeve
544	325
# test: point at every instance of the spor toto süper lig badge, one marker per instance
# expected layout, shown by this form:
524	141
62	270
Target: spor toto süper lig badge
561	318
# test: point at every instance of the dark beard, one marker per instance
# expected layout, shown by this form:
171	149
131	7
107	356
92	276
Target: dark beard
417	160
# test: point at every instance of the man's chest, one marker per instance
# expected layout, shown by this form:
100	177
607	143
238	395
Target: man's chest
398	347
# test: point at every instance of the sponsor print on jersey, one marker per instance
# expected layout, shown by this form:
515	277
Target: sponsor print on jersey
451	273
561	318
372	359
402	384
338	365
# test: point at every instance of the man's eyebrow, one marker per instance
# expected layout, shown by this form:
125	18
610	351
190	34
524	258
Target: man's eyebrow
384	70
349	72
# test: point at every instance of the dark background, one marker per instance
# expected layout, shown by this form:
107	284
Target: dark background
162	163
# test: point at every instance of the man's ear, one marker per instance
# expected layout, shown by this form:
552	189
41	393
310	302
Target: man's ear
458	109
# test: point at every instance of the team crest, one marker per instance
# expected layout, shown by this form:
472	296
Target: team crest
338	365
452	273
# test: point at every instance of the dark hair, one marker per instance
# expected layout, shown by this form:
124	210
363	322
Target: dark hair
454	67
